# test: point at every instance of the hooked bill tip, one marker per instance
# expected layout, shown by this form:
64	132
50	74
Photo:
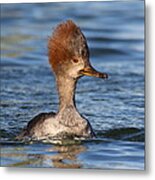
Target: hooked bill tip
103	75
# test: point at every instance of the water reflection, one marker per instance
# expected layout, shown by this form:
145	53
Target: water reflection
57	156
67	156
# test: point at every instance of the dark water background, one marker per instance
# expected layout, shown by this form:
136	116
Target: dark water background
115	107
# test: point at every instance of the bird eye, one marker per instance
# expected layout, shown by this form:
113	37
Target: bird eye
75	60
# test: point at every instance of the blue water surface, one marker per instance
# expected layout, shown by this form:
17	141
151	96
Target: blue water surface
115	107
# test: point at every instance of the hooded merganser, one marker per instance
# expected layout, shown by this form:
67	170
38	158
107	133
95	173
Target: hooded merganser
69	58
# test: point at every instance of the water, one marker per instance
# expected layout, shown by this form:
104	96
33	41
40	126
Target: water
115	107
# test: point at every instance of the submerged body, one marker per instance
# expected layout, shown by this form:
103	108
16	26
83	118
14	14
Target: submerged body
69	58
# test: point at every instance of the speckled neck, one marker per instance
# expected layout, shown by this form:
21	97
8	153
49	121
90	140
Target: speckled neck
66	91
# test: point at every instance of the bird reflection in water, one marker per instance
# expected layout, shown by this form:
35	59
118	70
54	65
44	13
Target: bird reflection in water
67	156
57	156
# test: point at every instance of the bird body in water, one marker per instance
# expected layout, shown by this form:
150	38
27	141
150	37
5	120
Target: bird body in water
69	58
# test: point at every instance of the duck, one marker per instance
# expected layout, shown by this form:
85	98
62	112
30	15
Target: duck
68	55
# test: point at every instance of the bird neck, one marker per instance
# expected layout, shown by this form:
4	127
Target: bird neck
66	91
